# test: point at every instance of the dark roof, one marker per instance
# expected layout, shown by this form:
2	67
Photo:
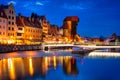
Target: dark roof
27	21
19	21
2	13
4	6
42	17
71	18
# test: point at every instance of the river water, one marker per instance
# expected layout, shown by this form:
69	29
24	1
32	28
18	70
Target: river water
58	65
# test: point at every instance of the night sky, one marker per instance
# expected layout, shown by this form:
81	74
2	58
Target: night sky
97	17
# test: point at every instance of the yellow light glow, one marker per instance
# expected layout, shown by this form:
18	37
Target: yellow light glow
11	41
30	38
0	69
31	66
11	69
46	63
69	66
107	54
54	59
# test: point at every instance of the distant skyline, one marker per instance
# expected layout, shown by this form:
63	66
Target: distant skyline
97	17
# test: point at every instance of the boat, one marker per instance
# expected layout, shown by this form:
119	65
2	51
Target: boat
78	50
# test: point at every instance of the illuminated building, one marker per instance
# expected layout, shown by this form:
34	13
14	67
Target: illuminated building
54	30
70	27
11	16
28	28
45	25
3	26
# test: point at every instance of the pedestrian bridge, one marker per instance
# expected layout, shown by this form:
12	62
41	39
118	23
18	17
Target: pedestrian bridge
94	46
78	45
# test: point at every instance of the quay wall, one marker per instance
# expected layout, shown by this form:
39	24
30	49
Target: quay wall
12	48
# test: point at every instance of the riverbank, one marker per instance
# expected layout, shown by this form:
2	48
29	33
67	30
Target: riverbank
12	48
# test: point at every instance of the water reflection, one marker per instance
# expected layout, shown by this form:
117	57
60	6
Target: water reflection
69	66
35	67
59	66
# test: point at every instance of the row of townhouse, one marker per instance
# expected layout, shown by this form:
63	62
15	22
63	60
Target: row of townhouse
21	28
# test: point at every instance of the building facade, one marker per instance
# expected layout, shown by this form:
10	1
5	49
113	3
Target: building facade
70	27
28	29
11	17
45	25
3	27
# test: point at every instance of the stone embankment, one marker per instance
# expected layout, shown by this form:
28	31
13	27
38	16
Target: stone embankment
12	48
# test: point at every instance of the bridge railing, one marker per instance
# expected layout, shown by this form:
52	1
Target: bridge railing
99	43
57	43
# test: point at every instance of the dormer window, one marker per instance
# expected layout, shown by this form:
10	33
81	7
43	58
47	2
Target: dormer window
10	11
1	13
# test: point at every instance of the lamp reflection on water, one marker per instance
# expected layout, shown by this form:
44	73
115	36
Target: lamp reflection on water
31	67
20	68
11	69
54	62
46	63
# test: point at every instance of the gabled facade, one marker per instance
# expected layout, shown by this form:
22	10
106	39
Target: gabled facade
11	18
28	28
3	26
